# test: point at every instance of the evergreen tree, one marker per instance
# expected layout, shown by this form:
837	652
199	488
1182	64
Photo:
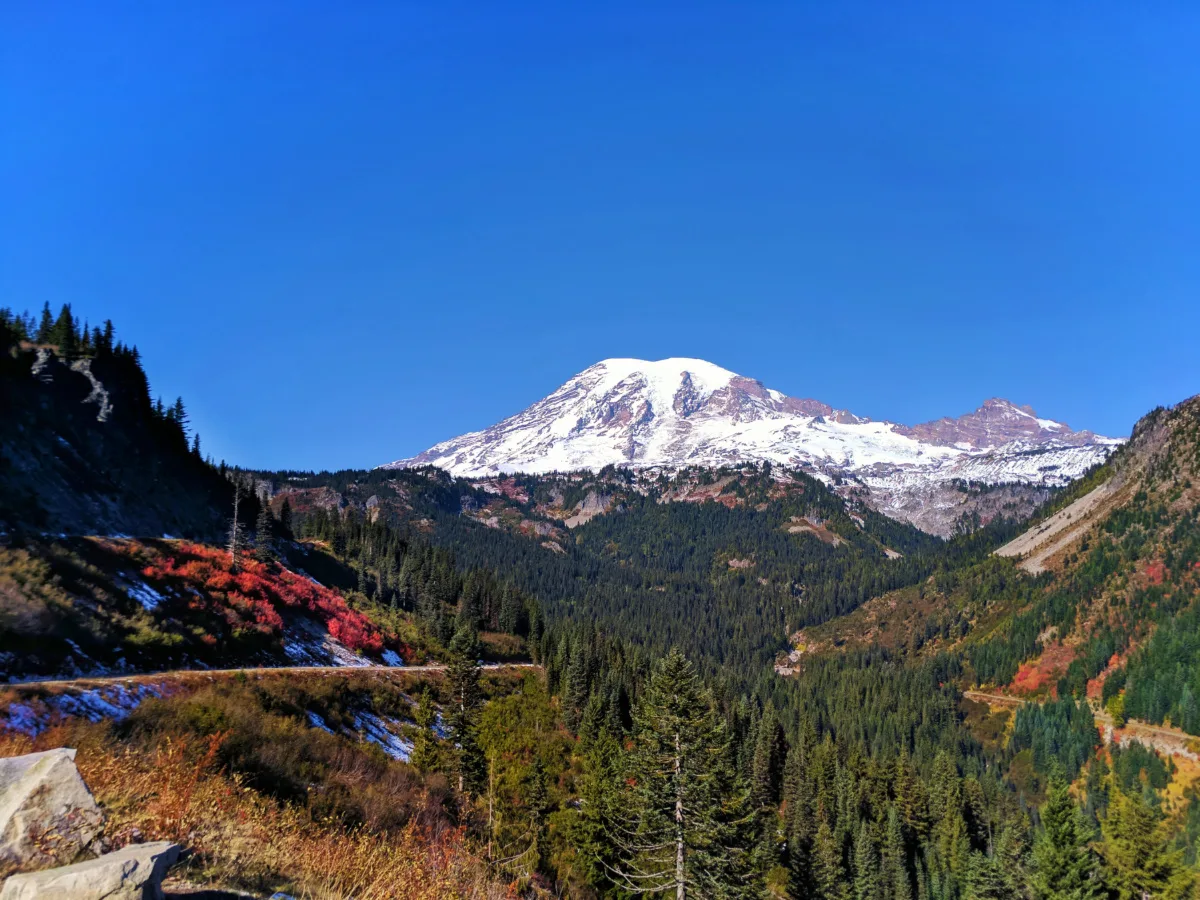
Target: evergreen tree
895	859
829	873
285	516
1065	868
46	325
424	752
180	417
575	692
236	538
537	802
911	797
470	606
264	532
691	832
770	751
988	880
63	332
1138	856
866	865
512	611
462	677
602	810
949	838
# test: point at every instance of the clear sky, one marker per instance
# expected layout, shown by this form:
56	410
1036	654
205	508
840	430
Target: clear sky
346	231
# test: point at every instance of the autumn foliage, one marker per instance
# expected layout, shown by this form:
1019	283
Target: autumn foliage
1037	676
253	598
238	836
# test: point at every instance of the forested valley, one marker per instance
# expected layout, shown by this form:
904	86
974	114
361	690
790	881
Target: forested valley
663	731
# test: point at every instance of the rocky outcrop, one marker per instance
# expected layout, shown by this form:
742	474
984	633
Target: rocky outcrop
135	872
996	423
47	813
594	504
48	817
99	394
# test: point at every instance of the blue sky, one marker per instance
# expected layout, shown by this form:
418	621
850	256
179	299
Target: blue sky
345	234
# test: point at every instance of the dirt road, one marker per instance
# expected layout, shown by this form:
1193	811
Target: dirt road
1169	741
101	680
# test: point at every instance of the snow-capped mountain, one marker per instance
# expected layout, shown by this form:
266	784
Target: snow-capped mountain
682	412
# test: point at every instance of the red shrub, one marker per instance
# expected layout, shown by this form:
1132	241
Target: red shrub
252	599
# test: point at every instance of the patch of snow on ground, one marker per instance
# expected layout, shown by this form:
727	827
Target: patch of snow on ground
317	722
145	595
392	658
21	717
376	730
439	727
94	704
306	643
300	571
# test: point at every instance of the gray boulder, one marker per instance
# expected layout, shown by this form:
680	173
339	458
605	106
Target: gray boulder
47	814
132	873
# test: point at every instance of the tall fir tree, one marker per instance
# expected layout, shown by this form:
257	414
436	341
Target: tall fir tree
285	518
770	751
602	811
1065	867
264	532
575	693
1139	859
691	831
424	752
462	677
895	859
866	865
829	872
512	611
45	329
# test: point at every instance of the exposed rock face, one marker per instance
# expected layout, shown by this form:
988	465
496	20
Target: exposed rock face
995	424
939	506
594	504
135	872
47	814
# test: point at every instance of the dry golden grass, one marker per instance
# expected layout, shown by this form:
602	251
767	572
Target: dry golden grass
241	838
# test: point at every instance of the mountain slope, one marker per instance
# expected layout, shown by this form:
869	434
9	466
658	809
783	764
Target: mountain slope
686	412
84	451
1099	597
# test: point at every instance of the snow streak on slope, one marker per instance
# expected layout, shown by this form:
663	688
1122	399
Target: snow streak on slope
680	412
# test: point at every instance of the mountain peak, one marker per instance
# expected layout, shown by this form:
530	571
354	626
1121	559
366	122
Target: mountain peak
680	411
663	375
995	423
